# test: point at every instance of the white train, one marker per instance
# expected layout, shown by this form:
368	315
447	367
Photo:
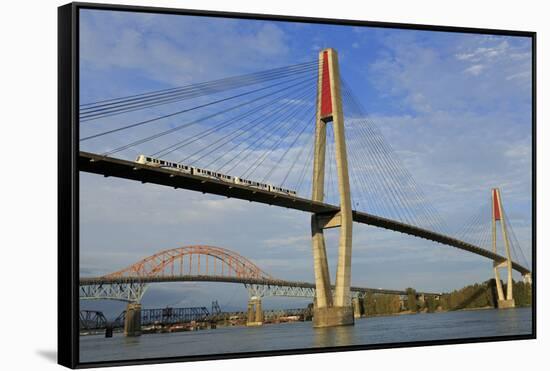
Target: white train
151	161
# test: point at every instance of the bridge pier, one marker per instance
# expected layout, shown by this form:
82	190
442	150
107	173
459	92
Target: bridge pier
132	321
527	279
356	307
331	309
255	314
506	304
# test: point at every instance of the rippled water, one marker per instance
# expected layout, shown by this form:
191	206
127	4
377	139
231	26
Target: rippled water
299	335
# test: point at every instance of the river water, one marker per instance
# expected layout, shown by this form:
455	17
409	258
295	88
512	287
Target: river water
299	335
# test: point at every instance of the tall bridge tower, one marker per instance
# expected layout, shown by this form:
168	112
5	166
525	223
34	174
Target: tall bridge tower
498	216
331	309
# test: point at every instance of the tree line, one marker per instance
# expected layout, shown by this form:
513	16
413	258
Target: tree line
478	295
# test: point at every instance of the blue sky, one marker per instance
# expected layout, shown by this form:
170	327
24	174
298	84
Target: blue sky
455	107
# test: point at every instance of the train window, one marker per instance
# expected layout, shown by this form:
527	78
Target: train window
148	159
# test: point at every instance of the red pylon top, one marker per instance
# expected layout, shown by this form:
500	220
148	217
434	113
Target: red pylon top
326	96
496	204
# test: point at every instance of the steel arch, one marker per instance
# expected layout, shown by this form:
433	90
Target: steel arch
186	260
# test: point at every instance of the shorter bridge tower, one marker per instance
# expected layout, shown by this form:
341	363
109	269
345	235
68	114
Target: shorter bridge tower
498	218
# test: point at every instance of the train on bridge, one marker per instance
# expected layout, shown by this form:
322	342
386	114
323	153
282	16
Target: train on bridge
206	173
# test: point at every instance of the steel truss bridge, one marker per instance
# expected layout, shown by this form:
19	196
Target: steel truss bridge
96	320
200	264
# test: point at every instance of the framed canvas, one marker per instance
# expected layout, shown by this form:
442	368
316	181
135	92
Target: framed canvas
241	185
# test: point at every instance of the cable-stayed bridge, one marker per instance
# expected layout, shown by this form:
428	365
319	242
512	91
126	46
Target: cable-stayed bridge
263	137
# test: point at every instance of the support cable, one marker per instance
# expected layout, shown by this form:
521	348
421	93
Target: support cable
189	140
168	90
282	157
428	211
228	138
90	115
194	122
172	114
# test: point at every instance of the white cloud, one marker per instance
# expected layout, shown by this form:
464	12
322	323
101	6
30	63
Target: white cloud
173	52
475	70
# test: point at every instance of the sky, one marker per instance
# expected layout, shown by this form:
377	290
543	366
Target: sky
455	107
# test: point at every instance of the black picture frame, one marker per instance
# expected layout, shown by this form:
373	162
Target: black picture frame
68	181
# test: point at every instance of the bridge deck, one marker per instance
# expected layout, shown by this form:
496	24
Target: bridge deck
87	281
108	166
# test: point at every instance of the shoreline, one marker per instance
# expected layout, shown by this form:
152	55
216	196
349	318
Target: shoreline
404	313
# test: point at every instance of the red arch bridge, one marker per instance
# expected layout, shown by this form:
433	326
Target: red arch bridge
200	264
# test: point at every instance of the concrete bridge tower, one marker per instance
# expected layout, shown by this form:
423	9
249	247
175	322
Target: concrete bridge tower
498	216
331	309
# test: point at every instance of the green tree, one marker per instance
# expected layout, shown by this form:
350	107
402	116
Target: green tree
431	304
411	299
369	304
